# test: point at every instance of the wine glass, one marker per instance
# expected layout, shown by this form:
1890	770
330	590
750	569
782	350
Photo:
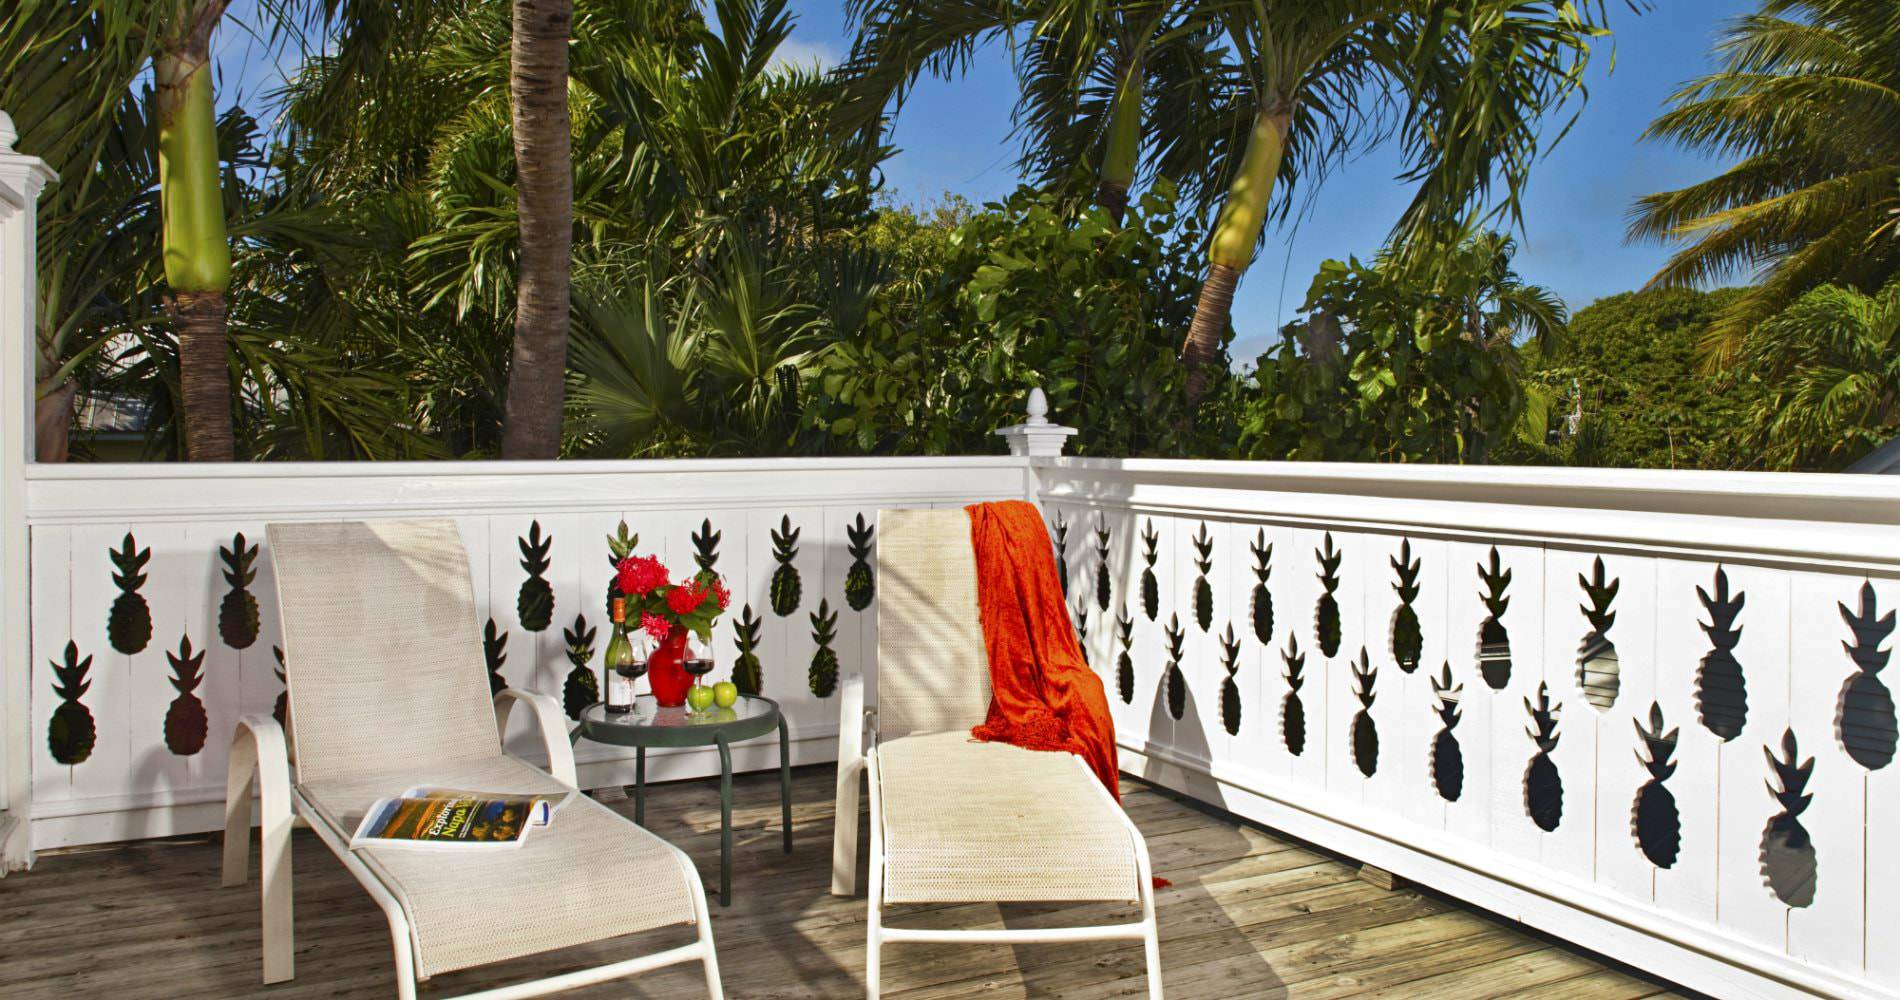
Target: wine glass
696	659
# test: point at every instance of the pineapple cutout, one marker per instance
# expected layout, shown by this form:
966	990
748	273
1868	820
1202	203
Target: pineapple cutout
1326	615
824	660
582	688
1081	612
1203	590
1125	663
534	605
71	734
185	723
1230	691
787	591
1177	684
1599	672
237	613
281	710
706	546
1448	759
129	623
620	545
1543	786
1787	853
1654	819
494	653
1494	642
1060	530
1261	607
1408	639
1103	590
1721	696
859	585
1866	722
1365	735
747	675
1150	589
1292	712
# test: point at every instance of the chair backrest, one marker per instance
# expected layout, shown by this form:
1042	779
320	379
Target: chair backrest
382	650
933	674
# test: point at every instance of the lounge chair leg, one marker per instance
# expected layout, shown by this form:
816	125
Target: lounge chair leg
710	958
1151	934
258	752
237	809
874	922
844	835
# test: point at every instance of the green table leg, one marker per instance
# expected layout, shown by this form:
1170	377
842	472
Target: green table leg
785	779
640	785
725	821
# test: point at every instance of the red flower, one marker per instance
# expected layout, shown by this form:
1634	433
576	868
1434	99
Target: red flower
654	625
720	594
686	598
640	574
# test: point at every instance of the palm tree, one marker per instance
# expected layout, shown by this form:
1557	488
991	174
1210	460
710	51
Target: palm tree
544	171
76	63
1461	85
1831	365
1084	69
1808	100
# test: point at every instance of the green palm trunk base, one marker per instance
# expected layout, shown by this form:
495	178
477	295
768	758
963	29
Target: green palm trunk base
1230	247
197	250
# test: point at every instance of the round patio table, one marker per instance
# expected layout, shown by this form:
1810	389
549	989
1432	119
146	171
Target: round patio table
650	725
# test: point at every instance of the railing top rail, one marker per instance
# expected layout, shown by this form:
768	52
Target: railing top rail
95	471
1795	520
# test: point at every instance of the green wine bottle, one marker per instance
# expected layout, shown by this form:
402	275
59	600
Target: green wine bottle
623	665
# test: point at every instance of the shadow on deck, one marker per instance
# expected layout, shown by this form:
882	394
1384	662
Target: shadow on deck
1251	914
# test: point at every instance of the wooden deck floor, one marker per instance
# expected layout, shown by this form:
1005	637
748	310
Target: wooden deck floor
1248	915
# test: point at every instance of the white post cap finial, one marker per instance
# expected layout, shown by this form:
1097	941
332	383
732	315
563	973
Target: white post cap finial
1038	408
7	133
1036	436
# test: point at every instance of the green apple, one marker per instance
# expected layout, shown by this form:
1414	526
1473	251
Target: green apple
725	694
700	697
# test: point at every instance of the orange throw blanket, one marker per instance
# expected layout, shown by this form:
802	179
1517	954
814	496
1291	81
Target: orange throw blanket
1044	696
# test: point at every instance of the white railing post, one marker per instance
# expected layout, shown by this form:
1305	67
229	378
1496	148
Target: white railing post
21	178
1036	437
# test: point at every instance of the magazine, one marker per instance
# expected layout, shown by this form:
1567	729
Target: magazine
453	818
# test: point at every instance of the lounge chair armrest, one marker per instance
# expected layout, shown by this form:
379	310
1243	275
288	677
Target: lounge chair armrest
553	730
851	719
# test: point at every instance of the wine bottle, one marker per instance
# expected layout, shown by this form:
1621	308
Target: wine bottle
624	665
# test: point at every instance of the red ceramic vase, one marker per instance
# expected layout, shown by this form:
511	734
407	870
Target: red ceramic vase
668	679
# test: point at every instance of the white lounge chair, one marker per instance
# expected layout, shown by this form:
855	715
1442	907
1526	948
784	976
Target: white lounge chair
387	691
954	820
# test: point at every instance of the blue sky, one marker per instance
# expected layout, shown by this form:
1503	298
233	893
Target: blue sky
954	138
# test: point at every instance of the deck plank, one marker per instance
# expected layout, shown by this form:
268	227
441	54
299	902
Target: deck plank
1250	914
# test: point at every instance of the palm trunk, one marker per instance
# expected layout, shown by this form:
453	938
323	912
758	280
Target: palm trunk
1230	249
537	85
197	248
1122	145
53	420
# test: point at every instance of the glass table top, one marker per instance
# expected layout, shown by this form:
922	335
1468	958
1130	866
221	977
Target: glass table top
648	714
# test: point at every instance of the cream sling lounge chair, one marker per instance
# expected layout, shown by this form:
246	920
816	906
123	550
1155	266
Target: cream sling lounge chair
387	691
954	820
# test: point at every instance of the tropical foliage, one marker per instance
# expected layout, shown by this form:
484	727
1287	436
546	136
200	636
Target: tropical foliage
1831	365
732	280
1806	105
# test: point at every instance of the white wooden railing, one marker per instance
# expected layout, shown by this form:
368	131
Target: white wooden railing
162	711
1355	756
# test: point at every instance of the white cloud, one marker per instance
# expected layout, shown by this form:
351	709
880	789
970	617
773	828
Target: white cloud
805	55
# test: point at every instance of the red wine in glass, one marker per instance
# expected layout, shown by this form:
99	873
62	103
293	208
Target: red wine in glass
697	666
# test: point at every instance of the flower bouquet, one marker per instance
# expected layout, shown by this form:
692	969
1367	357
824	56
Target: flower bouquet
670	613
